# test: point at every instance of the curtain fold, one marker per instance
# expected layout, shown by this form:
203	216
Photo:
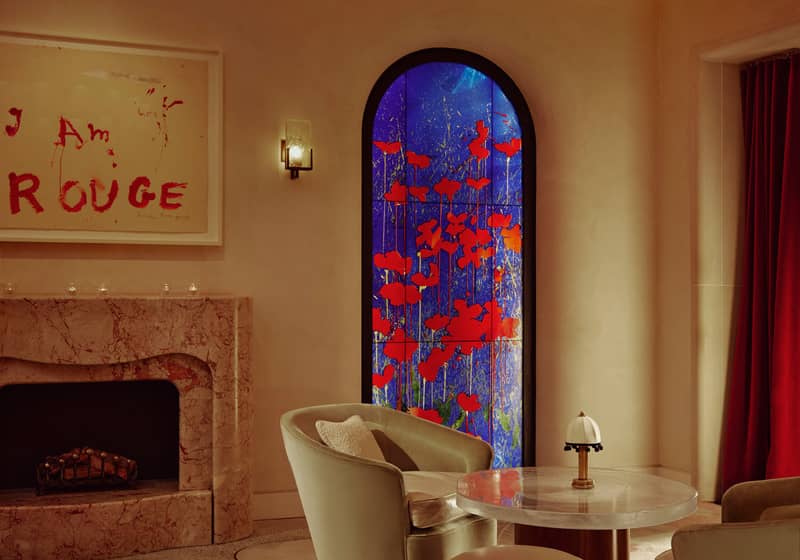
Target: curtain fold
761	431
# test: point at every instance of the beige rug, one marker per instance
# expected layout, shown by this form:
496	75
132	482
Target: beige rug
646	543
279	531
294	550
288	539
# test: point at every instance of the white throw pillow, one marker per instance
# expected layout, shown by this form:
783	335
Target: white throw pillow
351	436
432	498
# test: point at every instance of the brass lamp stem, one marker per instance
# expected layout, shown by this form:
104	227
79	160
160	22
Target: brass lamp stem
583	481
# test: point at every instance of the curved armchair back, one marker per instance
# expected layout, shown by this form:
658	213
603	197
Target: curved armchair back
356	508
760	519
747	501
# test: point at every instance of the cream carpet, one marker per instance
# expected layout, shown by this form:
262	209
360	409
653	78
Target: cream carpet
281	532
287	539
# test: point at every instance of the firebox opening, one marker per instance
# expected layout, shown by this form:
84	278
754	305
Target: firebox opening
137	419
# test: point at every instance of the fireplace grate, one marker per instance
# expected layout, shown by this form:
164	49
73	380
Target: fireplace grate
83	468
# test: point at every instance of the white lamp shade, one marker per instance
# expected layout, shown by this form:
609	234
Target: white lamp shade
583	431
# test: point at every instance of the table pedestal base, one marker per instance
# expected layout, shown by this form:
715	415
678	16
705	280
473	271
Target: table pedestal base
589	544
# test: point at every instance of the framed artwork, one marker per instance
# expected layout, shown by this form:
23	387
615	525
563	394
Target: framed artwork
109	143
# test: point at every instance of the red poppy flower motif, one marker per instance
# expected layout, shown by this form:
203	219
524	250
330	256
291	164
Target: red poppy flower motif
388	147
394	292
425	253
483	253
468	311
427	233
429	368
436	322
400	347
397	194
496	325
418	160
465	329
399	294
431	415
499	220
478	184
470	240
477	146
468	403
380	380
456	223
394	261
456	218
379	324
509	148
447	187
449	247
421	280
512	238
420	193
468	257
498	274
482	130
467	346
476	257
430	237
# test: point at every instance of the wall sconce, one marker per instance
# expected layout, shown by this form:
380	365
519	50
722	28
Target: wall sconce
583	434
296	152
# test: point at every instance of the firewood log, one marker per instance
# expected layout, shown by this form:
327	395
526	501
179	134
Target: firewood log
83	466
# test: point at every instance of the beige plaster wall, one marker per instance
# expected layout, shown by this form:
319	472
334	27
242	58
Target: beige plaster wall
586	69
699	176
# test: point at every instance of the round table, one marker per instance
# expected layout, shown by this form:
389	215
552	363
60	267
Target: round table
592	524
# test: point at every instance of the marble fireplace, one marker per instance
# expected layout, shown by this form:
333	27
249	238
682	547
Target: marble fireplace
201	346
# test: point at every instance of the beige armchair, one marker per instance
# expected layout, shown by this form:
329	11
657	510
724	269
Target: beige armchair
760	519
356	508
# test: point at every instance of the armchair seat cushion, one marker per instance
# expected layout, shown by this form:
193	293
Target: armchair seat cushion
432	498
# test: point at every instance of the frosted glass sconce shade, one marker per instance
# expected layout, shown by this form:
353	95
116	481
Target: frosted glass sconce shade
296	152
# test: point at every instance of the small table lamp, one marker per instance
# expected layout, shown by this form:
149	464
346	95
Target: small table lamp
583	433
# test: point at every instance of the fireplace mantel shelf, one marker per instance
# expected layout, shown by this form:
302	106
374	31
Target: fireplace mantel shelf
200	343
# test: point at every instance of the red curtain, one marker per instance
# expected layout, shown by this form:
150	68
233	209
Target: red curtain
762	429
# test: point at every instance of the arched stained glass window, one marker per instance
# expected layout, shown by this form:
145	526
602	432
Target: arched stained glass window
448	254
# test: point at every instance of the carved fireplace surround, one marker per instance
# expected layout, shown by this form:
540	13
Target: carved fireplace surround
201	345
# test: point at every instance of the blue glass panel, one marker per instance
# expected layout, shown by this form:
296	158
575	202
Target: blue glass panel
389	374
507	290
388	262
456	247
445	104
506	151
388	139
446	254
507	404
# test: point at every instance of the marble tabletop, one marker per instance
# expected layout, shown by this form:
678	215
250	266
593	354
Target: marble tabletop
544	497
